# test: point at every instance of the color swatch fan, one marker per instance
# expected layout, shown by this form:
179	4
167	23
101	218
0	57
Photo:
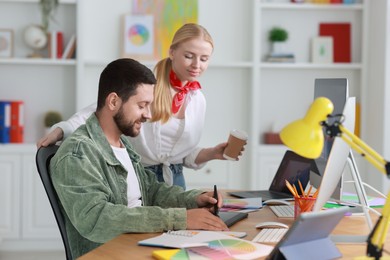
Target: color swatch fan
207	244
223	249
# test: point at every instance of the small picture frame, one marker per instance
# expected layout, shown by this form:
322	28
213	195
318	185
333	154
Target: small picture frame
138	37
6	43
322	49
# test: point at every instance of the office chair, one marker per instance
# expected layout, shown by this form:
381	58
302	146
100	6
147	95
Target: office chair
43	157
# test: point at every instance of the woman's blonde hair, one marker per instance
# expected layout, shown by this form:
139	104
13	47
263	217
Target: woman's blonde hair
162	104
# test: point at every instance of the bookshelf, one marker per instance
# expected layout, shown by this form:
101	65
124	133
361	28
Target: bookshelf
271	93
44	84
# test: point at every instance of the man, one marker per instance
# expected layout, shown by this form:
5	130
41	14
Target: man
103	188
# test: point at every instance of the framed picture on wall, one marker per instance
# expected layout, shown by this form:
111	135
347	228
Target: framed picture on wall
138	37
6	43
322	49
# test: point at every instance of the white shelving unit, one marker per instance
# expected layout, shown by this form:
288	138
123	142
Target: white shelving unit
281	92
26	219
43	84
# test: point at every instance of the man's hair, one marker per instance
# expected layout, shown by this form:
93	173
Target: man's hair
123	76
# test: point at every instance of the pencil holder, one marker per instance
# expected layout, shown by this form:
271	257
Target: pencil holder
303	204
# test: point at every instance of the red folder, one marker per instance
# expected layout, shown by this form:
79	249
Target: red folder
341	33
17	121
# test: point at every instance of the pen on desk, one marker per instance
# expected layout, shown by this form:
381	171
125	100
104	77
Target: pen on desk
216	197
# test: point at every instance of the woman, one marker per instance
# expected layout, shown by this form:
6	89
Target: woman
169	140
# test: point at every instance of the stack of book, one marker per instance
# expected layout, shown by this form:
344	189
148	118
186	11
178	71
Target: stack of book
280	57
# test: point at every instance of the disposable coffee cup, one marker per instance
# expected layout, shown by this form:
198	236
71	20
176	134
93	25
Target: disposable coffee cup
237	139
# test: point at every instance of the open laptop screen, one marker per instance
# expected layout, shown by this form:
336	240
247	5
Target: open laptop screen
294	168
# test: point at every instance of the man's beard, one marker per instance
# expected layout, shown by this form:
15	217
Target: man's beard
127	128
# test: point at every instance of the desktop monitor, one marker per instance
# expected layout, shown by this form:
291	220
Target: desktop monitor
337	158
336	89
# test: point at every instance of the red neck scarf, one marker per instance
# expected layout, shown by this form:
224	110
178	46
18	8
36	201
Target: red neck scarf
179	97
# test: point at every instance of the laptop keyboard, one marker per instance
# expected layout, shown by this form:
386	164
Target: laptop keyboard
283	211
270	235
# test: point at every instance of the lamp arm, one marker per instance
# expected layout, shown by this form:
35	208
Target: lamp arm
378	234
377	237
364	150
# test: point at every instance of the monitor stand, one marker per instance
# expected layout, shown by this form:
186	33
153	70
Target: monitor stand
362	197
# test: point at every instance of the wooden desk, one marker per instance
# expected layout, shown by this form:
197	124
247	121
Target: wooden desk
125	246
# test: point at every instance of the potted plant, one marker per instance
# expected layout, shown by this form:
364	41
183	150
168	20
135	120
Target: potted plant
51	118
278	37
47	9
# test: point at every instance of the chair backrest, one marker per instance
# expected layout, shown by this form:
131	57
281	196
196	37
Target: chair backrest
42	158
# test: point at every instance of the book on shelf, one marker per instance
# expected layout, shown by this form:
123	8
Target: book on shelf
56	44
341	34
207	244
280	57
5	121
70	48
17	121
321	1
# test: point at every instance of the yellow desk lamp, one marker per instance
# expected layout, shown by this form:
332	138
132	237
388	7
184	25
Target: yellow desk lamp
306	138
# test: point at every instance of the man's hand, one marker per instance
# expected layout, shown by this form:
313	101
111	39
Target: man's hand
204	219
207	200
51	138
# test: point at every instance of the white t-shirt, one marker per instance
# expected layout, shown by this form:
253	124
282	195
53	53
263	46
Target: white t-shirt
133	190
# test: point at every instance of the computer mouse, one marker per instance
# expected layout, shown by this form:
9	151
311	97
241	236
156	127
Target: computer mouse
271	224
276	202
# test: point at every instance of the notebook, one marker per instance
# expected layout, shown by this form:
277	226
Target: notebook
292	168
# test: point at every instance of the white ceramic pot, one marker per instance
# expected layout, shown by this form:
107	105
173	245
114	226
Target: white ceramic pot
279	47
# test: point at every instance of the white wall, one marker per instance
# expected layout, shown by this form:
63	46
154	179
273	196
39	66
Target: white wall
376	95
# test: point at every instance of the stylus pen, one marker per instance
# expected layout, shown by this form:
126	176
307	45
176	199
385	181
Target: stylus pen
216	204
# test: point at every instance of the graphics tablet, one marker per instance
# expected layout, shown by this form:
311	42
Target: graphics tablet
231	218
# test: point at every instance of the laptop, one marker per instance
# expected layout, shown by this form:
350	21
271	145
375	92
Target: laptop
292	168
231	218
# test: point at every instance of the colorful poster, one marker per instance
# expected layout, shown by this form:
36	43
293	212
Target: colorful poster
169	15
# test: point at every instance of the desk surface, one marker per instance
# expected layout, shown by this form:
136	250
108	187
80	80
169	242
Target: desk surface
125	246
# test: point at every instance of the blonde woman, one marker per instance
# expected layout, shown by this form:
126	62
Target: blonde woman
170	139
